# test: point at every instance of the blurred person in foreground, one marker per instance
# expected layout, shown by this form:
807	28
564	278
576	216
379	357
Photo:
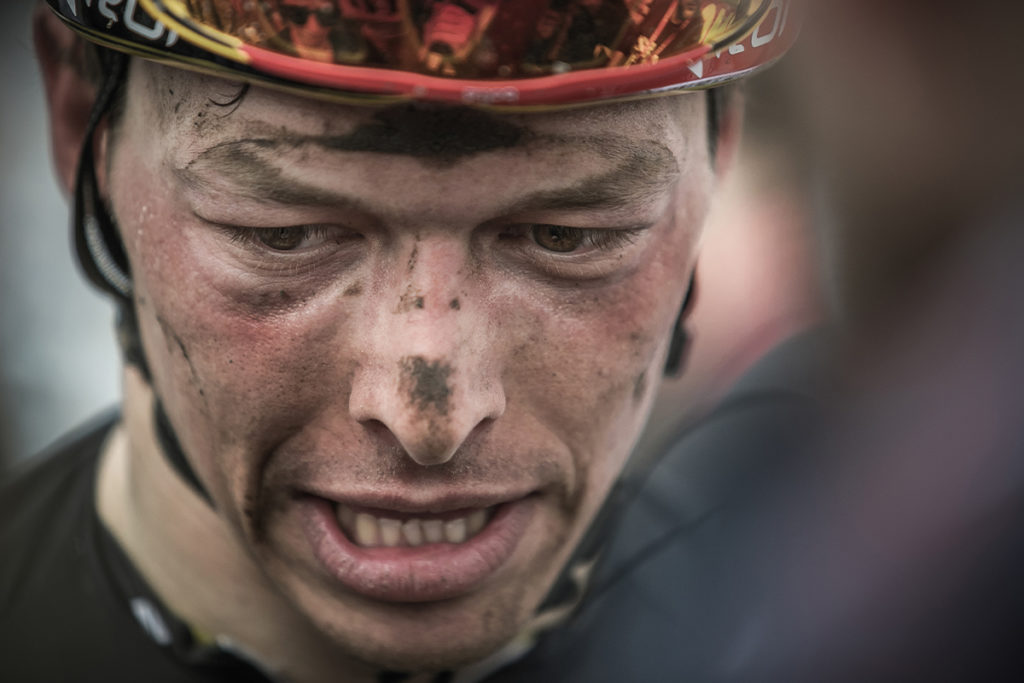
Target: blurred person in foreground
389	338
905	562
886	544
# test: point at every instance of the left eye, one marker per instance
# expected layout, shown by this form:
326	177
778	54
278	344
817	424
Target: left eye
563	240
557	238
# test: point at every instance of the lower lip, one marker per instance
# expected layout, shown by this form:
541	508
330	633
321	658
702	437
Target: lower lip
426	573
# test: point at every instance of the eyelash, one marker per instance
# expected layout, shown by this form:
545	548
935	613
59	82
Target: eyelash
588	238
254	236
605	240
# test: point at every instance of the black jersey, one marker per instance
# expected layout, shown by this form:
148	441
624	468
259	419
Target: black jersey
72	608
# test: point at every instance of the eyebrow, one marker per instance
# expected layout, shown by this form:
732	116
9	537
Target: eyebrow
644	170
251	175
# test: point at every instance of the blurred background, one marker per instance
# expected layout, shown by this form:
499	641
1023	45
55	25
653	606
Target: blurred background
58	360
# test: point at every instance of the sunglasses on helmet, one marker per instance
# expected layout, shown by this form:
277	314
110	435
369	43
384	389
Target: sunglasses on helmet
298	15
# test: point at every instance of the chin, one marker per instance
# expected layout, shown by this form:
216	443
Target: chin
426	637
428	657
410	637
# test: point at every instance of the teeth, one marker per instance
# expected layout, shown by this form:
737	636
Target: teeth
413	532
433	531
368	531
455	530
476	522
390	532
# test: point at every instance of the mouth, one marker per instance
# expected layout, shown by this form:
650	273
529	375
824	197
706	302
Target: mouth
400	555
369	528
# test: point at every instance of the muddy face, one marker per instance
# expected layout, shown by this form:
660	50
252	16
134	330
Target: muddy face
468	347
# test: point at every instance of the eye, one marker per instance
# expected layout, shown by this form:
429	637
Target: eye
561	239
558	238
283	239
289	239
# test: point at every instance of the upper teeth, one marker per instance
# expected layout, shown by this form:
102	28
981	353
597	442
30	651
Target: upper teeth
369	531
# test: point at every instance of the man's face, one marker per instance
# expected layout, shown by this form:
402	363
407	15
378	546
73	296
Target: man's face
429	329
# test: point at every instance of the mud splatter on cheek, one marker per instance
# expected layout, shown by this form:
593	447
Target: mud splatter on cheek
174	344
264	302
413	257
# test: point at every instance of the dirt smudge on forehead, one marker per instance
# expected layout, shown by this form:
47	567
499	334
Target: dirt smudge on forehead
187	99
425	383
443	135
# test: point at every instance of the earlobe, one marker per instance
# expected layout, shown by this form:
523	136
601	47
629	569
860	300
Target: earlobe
69	93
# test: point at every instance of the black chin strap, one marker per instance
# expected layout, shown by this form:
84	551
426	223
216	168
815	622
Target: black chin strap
102	257
567	590
679	348
171	448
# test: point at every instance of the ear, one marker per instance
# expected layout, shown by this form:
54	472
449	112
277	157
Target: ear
69	93
730	132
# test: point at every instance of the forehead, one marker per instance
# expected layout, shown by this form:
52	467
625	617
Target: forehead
192	108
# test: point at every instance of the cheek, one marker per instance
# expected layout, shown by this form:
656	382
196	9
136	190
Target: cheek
239	366
593	356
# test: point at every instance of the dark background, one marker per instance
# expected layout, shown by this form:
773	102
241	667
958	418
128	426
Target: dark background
57	355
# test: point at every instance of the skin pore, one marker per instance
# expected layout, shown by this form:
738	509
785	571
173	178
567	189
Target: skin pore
332	323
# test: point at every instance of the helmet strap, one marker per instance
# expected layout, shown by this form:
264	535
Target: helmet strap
170	446
102	256
100	251
679	347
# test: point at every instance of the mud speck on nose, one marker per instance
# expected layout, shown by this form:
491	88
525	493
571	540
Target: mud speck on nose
409	300
426	383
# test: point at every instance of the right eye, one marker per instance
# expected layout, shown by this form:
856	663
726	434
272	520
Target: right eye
288	239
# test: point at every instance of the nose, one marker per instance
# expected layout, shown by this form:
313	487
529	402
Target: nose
428	372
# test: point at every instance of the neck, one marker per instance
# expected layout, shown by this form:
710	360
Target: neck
191	558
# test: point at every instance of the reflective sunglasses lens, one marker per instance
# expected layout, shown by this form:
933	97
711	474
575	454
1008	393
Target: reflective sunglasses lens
295	14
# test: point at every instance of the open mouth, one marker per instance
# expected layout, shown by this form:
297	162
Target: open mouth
374	529
430	554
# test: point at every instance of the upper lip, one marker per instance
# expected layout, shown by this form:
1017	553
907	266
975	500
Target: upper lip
421	502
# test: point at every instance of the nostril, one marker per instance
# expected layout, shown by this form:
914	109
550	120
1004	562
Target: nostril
379	431
382	438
